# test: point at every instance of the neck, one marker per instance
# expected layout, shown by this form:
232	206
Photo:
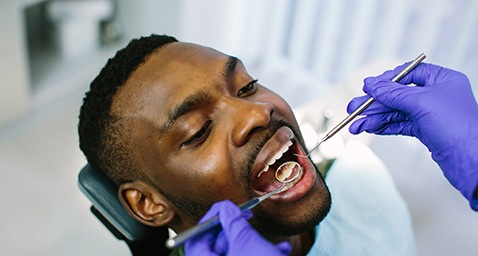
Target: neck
301	243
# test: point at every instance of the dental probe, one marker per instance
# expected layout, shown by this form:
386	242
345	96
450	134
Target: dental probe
366	104
214	221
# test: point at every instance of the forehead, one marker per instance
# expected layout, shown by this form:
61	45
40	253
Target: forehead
168	74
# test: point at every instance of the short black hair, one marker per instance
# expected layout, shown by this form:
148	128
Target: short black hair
101	135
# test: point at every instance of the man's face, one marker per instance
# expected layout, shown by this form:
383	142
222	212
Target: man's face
204	129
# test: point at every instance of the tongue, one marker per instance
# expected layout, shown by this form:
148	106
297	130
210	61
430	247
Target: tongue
266	182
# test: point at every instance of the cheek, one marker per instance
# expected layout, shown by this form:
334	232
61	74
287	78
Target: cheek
194	177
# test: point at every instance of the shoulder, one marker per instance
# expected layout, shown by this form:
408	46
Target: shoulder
368	215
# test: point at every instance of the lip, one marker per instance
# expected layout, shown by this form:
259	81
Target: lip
280	138
308	178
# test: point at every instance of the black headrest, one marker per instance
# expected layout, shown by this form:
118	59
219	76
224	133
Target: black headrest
103	193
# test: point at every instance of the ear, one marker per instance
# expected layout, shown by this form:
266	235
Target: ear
145	203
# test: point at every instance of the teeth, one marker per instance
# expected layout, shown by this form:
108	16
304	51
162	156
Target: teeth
277	156
263	171
273	160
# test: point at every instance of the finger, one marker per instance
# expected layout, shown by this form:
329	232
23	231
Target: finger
221	246
394	95
213	211
356	102
403	128
424	74
357	126
236	228
284	248
232	220
379	122
375	108
202	244
246	213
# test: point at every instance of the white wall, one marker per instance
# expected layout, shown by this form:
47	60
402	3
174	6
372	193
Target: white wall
14	91
305	47
144	17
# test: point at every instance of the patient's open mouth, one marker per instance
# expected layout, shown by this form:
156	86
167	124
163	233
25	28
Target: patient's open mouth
281	166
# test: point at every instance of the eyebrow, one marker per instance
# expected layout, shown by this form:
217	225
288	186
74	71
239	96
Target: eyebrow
197	98
186	106
230	66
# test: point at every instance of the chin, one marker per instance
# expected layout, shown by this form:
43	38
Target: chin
295	218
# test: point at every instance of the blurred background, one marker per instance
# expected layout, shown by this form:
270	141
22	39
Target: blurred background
315	53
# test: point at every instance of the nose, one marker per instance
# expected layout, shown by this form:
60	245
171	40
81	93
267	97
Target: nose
250	117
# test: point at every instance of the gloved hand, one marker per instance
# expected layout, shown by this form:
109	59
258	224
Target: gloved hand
440	111
237	236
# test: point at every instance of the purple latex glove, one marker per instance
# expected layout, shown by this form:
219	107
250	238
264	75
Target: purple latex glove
237	236
440	111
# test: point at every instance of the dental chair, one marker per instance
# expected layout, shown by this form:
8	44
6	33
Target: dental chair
103	193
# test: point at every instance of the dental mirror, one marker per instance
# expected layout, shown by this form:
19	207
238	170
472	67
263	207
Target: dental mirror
288	172
285	174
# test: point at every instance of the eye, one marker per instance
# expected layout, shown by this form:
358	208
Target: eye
200	136
249	89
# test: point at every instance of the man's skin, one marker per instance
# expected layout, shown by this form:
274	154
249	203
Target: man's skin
203	129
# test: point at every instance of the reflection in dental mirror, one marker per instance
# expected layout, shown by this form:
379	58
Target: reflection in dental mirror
288	172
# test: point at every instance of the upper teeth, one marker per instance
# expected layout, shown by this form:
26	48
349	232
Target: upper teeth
275	157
